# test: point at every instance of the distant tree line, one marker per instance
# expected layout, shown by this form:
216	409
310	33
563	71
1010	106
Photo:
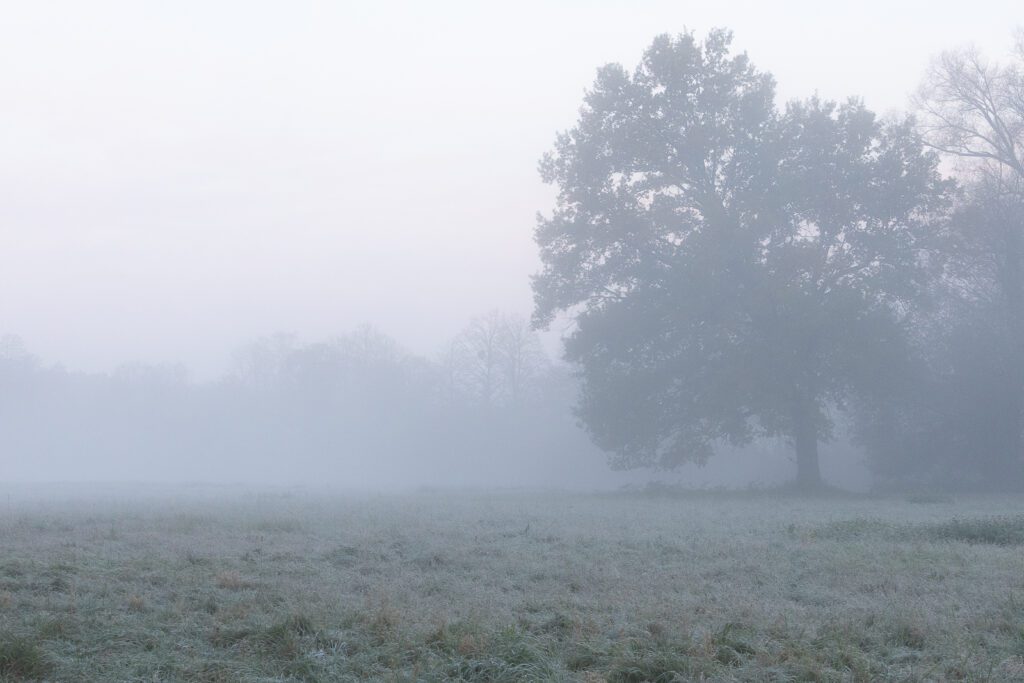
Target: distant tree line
738	270
357	410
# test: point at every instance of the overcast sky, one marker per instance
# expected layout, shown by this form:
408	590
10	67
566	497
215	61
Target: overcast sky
177	178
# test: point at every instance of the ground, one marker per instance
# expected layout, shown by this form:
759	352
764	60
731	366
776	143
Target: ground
215	585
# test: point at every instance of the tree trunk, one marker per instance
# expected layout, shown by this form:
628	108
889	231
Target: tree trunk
805	442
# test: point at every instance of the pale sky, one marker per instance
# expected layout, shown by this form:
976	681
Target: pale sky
177	178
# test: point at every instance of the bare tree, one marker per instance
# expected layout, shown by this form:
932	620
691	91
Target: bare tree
260	363
451	365
521	355
973	108
482	344
494	359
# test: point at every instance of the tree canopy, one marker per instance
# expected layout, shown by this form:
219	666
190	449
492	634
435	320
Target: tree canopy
733	268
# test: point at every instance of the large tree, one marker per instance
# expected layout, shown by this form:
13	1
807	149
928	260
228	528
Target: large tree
732	269
972	110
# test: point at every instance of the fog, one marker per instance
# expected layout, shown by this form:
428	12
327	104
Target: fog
182	178
266	242
354	413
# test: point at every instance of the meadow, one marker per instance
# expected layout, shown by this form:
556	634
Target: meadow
219	585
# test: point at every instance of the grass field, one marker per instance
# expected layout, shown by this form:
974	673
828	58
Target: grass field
205	585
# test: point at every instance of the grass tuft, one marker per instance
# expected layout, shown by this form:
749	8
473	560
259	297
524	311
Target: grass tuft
1001	530
278	641
905	634
54	629
214	672
511	656
136	603
232	580
928	498
21	659
342	556
987	530
646	662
